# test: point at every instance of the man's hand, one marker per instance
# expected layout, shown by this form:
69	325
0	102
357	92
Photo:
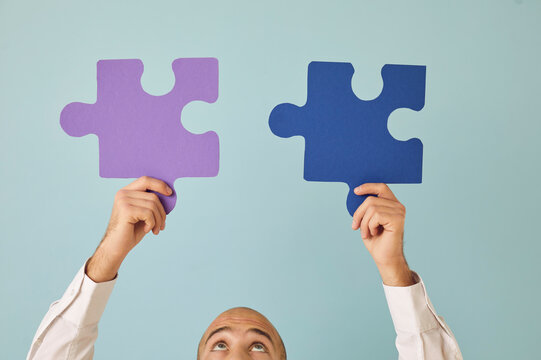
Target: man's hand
381	220
135	213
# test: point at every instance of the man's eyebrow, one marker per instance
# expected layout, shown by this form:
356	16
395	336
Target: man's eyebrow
261	332
214	332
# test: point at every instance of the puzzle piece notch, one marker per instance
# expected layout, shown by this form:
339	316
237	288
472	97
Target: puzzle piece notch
347	139
142	134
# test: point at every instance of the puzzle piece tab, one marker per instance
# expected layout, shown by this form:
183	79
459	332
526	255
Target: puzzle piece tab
347	139
141	134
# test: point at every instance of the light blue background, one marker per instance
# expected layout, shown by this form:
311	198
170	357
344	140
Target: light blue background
258	234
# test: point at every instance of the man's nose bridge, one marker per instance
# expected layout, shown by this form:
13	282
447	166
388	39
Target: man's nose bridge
239	354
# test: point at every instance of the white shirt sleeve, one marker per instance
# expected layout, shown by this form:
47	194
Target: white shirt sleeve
70	328
420	333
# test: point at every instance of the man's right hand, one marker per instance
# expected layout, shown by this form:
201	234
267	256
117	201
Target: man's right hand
381	221
135	213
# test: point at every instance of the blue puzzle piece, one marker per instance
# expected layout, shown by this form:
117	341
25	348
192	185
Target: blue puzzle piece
346	139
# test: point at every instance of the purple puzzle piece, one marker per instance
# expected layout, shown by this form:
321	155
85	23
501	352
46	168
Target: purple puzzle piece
141	134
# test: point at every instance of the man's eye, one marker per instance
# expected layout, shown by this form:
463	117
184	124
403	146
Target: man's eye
220	347
259	347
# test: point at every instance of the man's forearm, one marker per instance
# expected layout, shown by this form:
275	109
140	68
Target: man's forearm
69	328
74	318
421	333
103	265
398	274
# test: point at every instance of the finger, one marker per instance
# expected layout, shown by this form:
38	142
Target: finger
148	183
371	201
365	230
375	224
361	210
153	198
152	206
144	214
358	216
379	189
371	212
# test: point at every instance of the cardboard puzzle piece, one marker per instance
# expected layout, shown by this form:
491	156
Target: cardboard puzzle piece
141	134
347	139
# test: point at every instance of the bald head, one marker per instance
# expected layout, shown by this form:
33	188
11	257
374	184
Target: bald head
241	331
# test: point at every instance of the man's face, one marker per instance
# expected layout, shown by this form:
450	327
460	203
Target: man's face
241	333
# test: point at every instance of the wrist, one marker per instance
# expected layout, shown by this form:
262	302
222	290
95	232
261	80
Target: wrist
396	273
103	265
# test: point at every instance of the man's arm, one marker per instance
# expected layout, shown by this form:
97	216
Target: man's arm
70	328
421	333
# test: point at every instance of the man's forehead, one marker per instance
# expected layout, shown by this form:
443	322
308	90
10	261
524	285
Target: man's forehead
239	321
241	316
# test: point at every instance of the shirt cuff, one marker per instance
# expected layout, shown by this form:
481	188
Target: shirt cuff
410	307
89	303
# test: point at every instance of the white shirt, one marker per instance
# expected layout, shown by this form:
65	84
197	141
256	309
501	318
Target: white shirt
70	328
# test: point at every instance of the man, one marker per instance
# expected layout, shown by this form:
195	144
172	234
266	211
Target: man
69	329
